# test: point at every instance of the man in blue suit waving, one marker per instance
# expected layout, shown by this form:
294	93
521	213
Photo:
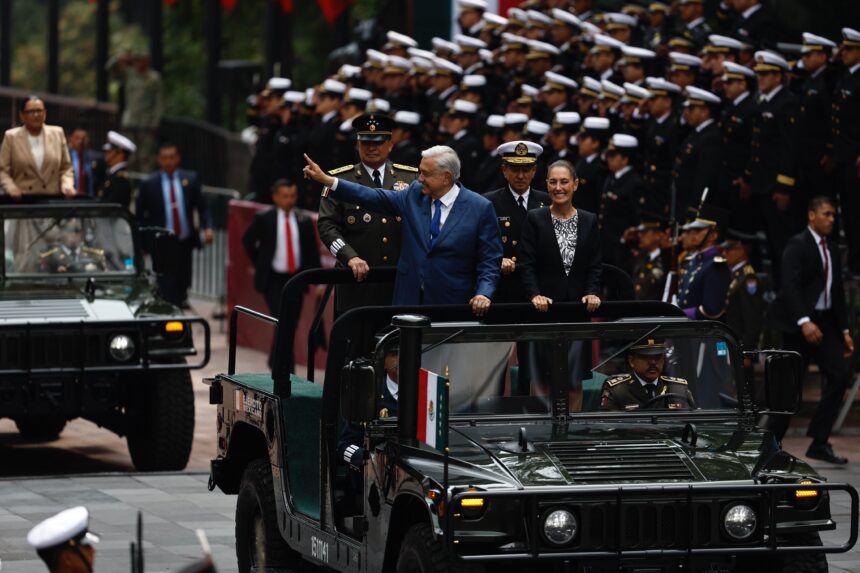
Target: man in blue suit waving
452	250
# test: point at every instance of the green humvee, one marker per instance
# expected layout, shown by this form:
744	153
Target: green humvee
529	470
84	333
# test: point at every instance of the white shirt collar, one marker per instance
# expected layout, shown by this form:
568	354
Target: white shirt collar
393	387
621	172
815	236
772	94
741	98
446	93
117	167
525	195
607	74
654	254
327	117
460	135
591	158
370	171
750	11
818	72
645	382
854	68
664	117
704	124
696	22
451	196
740	265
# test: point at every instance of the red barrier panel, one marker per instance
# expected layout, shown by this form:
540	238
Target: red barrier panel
240	288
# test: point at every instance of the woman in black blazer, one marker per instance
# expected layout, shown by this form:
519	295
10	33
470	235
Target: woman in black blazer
560	257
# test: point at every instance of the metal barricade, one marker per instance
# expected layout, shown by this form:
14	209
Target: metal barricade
209	279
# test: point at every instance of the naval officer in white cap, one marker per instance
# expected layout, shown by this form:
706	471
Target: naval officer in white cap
64	543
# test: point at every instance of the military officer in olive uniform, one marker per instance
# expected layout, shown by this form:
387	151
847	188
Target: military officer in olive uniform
744	305
649	268
357	237
645	383
71	255
705	276
512	202
117	187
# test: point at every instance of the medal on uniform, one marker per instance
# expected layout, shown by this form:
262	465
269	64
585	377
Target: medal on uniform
350	220
367	218
400	185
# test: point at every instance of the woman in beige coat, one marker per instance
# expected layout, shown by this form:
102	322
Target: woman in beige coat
34	159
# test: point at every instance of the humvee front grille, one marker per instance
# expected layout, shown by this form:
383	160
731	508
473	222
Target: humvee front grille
618	462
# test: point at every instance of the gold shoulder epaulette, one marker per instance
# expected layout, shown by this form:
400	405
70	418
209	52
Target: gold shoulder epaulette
123	174
749	270
96	251
719	260
405	167
49	252
616	380
675	380
341	169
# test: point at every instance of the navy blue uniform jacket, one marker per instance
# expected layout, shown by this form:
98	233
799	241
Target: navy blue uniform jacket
466	259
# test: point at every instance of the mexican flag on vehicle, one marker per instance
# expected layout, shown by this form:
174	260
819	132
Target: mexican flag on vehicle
432	409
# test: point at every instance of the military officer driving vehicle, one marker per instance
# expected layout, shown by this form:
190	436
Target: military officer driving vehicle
71	255
357	237
645	386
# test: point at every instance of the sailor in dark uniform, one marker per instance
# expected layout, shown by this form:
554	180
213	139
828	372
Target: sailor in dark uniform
645	383
405	138
459	121
693	26
745	302
649	268
561	137
698	163
71	255
117	187
754	24
590	168
489	173
358	238
705	276
736	121
620	200
661	142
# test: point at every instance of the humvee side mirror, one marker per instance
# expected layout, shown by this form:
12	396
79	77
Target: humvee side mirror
358	392
783	382
165	251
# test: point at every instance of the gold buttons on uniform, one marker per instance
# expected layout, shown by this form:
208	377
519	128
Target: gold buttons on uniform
384	239
507	223
384	257
514	242
397	218
384	220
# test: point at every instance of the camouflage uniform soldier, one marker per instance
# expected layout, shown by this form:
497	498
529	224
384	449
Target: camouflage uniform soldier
357	237
645	382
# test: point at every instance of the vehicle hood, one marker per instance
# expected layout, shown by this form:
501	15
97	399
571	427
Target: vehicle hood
578	454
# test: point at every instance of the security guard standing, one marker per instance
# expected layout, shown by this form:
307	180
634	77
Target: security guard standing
705	276
744	304
117	187
357	237
649	267
512	202
643	386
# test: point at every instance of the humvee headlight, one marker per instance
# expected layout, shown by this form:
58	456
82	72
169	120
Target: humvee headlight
739	521
559	527
121	348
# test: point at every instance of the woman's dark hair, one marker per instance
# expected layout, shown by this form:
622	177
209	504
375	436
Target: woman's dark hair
564	164
23	103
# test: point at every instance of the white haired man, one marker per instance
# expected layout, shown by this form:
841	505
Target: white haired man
452	250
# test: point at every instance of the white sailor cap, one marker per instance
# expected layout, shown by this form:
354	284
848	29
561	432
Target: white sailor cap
767	61
398	40
419	53
293	96
378	105
349	71
538	19
661	87
558	82
473	81
538	49
590	87
407	118
517	16
119	141
512	118
422	65
442	45
718	44
309	97
698	96
684	62
604	43
357	95
441	66
462	107
277	84
850	38
397	65
611	90
537	127
566	18
487	55
514	42
637	56
331	86
496	121
733	71
346	126
622	142
634	93
616	20
468	43
565	120
529	91
590	30
519	152
375	58
813	43
472	4
597	126
67	527
493	21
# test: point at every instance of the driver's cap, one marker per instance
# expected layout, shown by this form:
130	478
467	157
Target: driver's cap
649	347
69	527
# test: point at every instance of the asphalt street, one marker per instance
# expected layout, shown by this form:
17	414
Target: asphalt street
95	471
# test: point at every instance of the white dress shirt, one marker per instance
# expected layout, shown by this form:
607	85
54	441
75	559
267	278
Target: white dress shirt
381	170
750	11
447	202
279	260
741	98
525	196
703	125
621	172
828	281
37	147
772	94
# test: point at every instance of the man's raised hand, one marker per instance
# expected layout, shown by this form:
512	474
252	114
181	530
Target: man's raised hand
314	172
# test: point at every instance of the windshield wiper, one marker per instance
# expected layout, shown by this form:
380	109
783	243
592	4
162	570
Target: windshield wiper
48	228
444	340
626	348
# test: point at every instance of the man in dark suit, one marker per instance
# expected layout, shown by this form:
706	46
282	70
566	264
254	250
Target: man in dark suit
622	195
87	164
280	243
810	310
512	203
117	187
452	250
698	162
170	198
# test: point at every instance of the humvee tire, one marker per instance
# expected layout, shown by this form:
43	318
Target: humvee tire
259	544
421	552
43	428
163	409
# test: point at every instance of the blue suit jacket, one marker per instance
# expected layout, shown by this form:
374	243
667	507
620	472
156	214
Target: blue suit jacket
466	258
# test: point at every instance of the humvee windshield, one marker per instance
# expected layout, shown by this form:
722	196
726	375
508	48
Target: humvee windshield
491	373
68	245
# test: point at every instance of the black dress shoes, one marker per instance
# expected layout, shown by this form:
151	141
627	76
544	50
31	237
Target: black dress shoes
825	453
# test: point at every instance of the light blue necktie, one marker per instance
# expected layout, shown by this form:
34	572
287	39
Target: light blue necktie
436	222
